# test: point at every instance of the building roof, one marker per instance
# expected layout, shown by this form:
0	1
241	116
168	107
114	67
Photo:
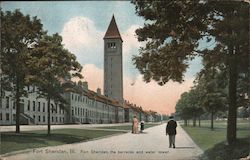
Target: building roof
74	87
112	31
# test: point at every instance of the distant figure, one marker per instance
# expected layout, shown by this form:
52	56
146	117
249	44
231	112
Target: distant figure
135	125
142	126
171	131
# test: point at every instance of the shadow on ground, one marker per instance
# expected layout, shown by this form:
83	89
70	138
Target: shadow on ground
184	147
221	151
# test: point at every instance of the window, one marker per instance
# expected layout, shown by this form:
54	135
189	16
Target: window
34	117
39	106
34	105
72	97
39	118
1	116
52	119
7	102
43	118
14	105
72	111
43	106
7	116
56	108
14	117
111	45
52	108
28	107
56	119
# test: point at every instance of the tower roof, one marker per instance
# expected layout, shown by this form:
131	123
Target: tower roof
112	31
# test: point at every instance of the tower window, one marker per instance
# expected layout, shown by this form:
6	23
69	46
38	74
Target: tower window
111	45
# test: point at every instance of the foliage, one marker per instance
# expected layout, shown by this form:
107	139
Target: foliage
214	85
31	57
54	64
18	35
173	30
51	64
189	106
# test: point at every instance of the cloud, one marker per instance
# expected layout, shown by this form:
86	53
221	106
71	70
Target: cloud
82	38
79	33
130	40
93	75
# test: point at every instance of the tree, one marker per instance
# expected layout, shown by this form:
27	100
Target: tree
173	32
231	32
195	103
212	80
51	64
18	34
189	106
183	108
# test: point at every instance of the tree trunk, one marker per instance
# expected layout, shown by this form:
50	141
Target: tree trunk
185	122
194	120
199	121
17	106
212	120
232	110
48	115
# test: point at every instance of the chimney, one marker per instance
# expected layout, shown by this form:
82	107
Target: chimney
98	91
79	83
85	85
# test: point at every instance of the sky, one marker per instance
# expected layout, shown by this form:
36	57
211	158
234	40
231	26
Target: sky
82	25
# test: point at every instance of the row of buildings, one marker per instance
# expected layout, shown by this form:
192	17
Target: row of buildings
83	106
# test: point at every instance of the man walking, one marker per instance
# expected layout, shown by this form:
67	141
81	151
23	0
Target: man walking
171	131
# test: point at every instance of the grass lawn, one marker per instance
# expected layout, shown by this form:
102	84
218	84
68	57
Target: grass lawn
11	141
213	142
129	127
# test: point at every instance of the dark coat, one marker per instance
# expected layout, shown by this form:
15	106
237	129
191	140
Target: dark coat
171	127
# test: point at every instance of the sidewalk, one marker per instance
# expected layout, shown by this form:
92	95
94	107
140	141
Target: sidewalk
151	145
45	127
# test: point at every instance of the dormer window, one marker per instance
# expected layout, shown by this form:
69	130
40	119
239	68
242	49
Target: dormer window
111	45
